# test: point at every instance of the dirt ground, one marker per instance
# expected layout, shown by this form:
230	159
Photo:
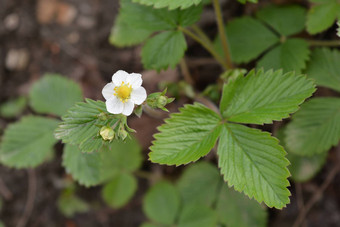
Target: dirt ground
70	37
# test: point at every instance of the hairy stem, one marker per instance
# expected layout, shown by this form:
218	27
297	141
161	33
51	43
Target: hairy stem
206	45
222	33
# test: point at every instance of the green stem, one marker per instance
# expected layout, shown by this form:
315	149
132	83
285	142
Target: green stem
327	43
206	45
201	34
222	33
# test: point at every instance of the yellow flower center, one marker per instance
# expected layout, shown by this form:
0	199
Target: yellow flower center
123	92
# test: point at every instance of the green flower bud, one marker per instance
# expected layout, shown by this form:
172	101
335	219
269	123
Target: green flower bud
107	133
162	101
122	134
102	116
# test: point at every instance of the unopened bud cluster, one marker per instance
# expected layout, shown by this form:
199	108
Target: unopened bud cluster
159	100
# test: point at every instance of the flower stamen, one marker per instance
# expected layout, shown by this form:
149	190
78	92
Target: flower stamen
123	92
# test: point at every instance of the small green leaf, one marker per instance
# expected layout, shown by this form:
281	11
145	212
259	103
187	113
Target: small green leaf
315	128
81	125
161	203
248	38
186	136
199	183
253	162
124	34
54	94
13	108
119	190
171	4
324	67
321	17
236	210
84	167
164	50
28	143
286	20
91	169
261	97
69	205
291	55
197	216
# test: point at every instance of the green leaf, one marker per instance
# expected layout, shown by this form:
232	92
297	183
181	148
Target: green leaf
150	225
28	143
315	128
186	136
324	68
291	55
157	19
54	94
199	183
248	38
321	17
161	203
84	167
197	216
69	205
286	20
119	190
13	108
236	210
81	125
164	50
91	169
261	97
253	162
171	4
124	34
304	168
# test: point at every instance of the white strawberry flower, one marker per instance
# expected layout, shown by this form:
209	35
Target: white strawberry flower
124	92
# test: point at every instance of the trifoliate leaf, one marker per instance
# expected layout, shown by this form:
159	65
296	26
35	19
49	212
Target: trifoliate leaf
253	162
164	50
119	190
324	67
186	136
315	128
161	203
123	34
28	143
91	169
262	97
322	16
199	183
197	216
286	20
291	55
236	210
69	205
13	108
81	125
171	4
243	46
54	94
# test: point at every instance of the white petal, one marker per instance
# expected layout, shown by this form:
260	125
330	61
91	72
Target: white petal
114	105
119	77
135	80
108	91
138	95
128	108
